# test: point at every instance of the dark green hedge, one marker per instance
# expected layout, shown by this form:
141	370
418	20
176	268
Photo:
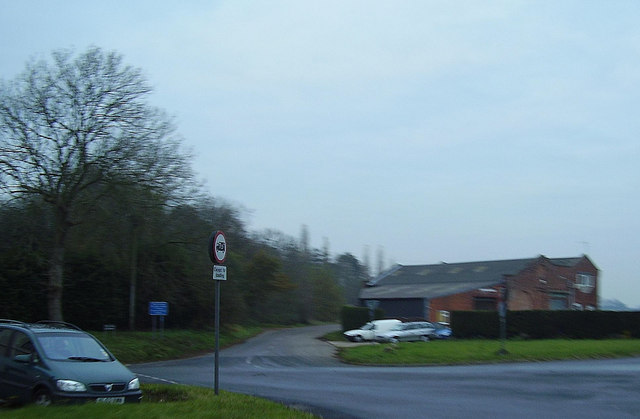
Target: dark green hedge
353	317
547	324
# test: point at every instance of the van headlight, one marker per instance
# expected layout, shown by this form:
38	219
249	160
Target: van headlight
134	384
70	385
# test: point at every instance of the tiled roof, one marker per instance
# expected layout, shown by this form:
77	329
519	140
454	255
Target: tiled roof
565	261
432	281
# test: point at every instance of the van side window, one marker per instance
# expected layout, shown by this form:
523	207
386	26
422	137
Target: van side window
21	345
4	341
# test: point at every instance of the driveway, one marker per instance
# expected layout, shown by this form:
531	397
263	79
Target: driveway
298	346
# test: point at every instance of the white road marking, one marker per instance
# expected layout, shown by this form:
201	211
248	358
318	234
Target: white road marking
159	379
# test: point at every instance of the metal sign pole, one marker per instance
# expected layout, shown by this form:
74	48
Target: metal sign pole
502	313
217	359
217	253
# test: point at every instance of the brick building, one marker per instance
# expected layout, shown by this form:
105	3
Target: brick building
432	291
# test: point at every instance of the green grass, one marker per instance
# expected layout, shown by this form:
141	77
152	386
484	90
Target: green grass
163	401
136	347
335	336
452	352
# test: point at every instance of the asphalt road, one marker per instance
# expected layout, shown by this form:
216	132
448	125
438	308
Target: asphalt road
293	367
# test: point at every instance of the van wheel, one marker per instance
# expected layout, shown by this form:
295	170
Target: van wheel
42	397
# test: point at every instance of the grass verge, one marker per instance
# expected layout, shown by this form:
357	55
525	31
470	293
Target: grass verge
136	347
164	401
451	352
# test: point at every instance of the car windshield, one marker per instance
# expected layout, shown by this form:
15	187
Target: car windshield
75	347
367	326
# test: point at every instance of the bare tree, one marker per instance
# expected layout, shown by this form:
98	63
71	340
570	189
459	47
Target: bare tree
72	125
366	261
305	246
380	257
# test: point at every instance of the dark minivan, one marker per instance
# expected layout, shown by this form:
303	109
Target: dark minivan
48	362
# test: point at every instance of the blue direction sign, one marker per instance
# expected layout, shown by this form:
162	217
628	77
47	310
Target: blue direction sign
158	308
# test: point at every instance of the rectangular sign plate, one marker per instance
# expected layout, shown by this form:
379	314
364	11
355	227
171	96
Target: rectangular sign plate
219	273
158	308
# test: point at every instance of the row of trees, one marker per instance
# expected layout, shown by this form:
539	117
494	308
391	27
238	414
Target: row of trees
99	205
126	256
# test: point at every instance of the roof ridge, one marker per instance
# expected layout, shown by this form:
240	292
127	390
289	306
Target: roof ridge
473	262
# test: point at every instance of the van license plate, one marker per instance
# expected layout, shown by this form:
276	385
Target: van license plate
112	400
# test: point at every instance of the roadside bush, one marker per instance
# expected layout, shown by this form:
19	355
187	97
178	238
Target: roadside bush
548	324
352	317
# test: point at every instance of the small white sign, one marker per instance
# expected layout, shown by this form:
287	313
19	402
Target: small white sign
219	273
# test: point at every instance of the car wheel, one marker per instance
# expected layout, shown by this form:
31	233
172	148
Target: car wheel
42	397
424	338
393	340
357	338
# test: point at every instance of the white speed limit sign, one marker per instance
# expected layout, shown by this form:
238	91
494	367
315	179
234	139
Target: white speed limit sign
217	247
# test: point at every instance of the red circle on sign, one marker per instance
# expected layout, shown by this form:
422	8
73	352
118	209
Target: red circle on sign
219	249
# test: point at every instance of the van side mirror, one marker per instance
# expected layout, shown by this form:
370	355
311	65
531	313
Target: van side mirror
25	359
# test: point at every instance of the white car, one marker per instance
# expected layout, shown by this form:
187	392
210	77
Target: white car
409	331
370	330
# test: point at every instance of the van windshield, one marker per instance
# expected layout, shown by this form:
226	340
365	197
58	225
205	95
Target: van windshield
75	347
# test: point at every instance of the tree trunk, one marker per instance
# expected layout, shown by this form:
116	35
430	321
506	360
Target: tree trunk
55	283
133	279
56	266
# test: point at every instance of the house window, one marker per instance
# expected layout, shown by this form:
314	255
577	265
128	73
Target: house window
444	316
558	301
585	282
485	303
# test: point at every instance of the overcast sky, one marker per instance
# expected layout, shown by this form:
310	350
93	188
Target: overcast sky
435	130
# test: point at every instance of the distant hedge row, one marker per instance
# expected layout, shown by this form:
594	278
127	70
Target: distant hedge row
547	324
352	317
